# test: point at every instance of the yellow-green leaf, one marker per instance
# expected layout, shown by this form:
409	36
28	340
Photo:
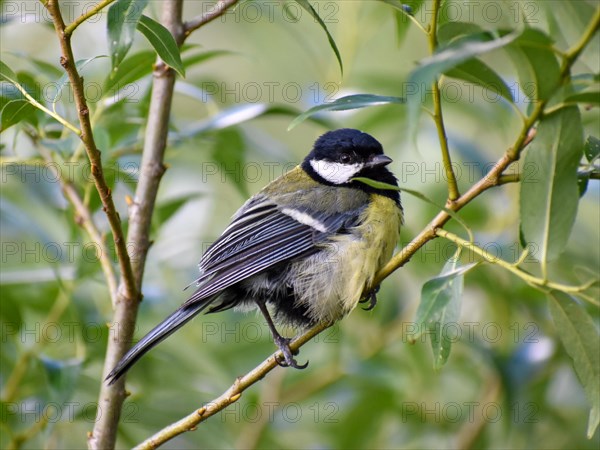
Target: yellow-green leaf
581	339
549	197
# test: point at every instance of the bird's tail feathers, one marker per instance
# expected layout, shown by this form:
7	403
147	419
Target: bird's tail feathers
155	336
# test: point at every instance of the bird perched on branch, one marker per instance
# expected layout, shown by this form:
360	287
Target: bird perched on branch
303	249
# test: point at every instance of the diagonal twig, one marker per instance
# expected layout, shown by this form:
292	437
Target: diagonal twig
86	15
67	60
217	10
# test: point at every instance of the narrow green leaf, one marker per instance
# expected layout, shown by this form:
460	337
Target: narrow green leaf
477	72
123	17
236	115
377	184
549	197
6	74
131	69
229	117
456	53
533	56
31	85
592	98
420	196
591	148
439	307
14	112
583	179
404	14
346	103
565	21
447	58
580	337
308	7
450	31
163	42
49	70
407	7
192	60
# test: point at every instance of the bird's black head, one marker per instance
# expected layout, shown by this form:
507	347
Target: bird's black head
340	155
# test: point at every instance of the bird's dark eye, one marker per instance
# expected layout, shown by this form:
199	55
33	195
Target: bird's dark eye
345	158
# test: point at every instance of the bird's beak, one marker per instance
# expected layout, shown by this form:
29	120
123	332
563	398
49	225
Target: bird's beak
379	161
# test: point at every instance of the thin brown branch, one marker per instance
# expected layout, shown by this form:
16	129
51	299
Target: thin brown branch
230	396
509	178
85	220
111	397
491	179
218	10
438	118
67	60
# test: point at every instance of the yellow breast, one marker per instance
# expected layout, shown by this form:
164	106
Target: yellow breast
333	280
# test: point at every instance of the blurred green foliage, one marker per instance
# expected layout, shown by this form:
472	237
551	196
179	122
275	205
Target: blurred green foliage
508	382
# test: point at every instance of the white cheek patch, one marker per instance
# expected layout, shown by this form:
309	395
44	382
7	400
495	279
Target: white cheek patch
306	219
334	172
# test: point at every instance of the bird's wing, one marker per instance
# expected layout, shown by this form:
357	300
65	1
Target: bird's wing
262	235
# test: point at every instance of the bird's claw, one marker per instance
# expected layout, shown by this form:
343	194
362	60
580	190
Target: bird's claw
371	298
288	354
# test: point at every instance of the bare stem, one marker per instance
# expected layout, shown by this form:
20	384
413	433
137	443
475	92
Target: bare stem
438	118
576	50
230	396
111	397
84	218
64	122
89	13
516	177
538	283
67	60
218	10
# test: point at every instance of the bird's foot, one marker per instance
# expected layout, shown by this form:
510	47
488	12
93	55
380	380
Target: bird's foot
371	298
288	354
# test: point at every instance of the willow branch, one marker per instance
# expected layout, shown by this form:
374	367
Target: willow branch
493	177
218	10
64	122
67	60
586	37
516	177
538	283
85	220
438	118
111	397
230	396
89	13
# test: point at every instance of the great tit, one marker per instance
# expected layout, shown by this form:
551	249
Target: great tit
305	247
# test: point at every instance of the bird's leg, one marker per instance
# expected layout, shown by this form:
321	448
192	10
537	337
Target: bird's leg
282	343
371	298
